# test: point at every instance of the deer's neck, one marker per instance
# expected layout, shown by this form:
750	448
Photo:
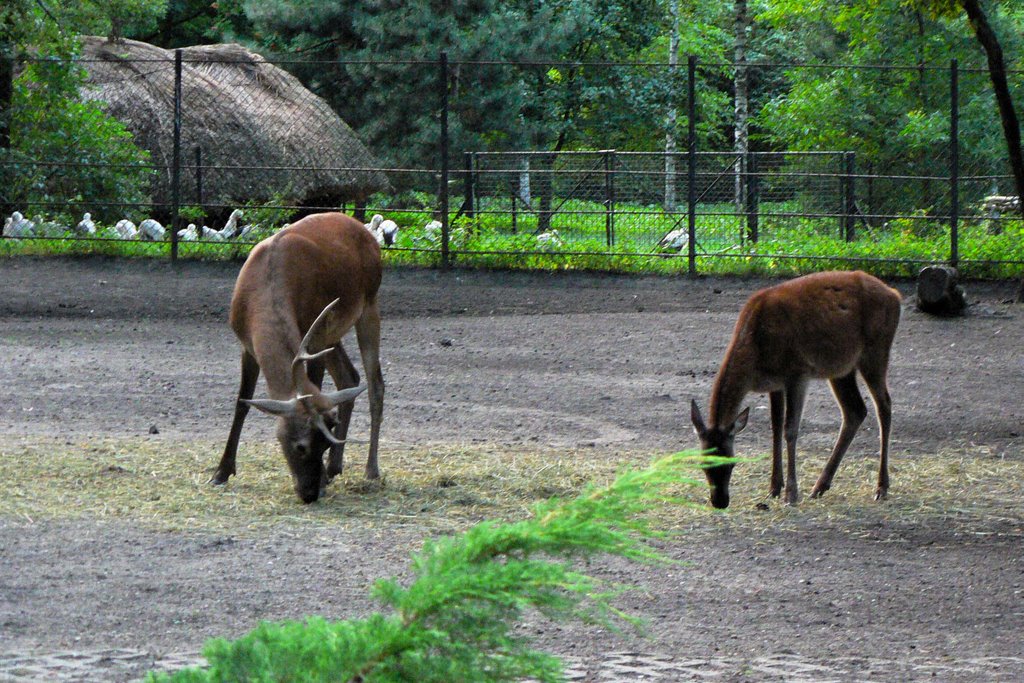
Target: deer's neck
732	384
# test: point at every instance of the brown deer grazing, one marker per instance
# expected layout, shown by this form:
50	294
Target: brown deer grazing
299	292
821	326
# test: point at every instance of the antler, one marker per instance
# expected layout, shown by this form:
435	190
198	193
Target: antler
303	356
299	369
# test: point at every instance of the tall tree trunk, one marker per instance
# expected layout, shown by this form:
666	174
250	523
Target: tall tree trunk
997	73
742	104
673	113
7	201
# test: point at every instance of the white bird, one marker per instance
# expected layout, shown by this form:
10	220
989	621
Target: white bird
150	229
125	229
211	234
383	231
432	230
549	240
189	234
230	228
86	226
676	241
18	226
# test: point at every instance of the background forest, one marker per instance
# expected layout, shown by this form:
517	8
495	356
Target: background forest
549	102
874	88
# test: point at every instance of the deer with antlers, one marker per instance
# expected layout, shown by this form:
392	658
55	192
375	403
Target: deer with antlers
298	293
828	326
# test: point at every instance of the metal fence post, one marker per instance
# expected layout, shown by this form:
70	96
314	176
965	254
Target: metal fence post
442	199
750	195
469	182
176	158
199	176
849	197
609	197
954	164
691	163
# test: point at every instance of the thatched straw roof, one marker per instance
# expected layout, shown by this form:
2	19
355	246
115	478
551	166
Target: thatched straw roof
262	134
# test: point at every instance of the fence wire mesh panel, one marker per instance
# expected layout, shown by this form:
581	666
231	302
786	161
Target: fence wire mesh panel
591	165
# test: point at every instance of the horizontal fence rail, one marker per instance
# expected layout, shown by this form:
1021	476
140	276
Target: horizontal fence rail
200	172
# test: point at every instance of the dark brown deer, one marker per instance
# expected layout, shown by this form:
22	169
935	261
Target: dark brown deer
299	292
821	326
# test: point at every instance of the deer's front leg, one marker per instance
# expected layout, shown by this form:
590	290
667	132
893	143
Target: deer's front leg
250	373
795	395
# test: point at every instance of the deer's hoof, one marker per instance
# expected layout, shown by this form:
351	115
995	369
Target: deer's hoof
881	494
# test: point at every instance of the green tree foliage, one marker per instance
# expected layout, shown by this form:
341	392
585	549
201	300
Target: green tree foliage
455	619
545	102
62	149
65	150
896	119
194	22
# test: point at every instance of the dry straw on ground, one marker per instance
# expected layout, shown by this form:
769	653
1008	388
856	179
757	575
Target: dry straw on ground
442	488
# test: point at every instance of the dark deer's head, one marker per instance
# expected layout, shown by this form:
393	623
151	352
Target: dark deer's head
718	441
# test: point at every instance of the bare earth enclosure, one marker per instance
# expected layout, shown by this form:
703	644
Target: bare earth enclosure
841	588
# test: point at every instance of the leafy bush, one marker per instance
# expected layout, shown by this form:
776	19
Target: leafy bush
67	151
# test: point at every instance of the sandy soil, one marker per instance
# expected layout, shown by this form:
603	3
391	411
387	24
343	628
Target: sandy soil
102	347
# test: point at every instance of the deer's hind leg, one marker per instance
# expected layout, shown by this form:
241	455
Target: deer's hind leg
368	334
878	386
345	376
778	412
854	410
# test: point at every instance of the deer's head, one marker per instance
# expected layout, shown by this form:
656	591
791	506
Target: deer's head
719	441
304	432
305	421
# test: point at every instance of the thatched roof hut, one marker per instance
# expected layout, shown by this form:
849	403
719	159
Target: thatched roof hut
262	135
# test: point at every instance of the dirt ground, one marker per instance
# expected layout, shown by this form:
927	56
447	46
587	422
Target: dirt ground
110	348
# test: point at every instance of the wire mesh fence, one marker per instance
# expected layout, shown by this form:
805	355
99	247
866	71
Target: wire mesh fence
221	147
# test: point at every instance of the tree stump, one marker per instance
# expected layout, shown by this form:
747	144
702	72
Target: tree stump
938	292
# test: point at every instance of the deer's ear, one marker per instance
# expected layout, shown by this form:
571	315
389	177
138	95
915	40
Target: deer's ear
695	417
740	422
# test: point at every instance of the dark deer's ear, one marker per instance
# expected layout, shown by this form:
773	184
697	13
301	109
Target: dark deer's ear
740	422
698	421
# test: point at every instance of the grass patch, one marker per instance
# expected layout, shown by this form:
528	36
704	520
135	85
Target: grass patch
446	488
790	245
164	484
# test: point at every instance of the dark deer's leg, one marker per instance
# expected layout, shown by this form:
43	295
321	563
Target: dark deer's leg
368	334
796	393
250	373
344	375
879	389
854	410
778	406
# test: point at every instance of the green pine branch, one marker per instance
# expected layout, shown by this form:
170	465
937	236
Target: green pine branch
455	620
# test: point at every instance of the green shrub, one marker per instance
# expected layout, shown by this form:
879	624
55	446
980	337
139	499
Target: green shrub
455	619
68	151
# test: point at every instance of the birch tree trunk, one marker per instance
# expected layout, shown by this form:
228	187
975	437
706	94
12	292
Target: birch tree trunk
673	114
742	110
